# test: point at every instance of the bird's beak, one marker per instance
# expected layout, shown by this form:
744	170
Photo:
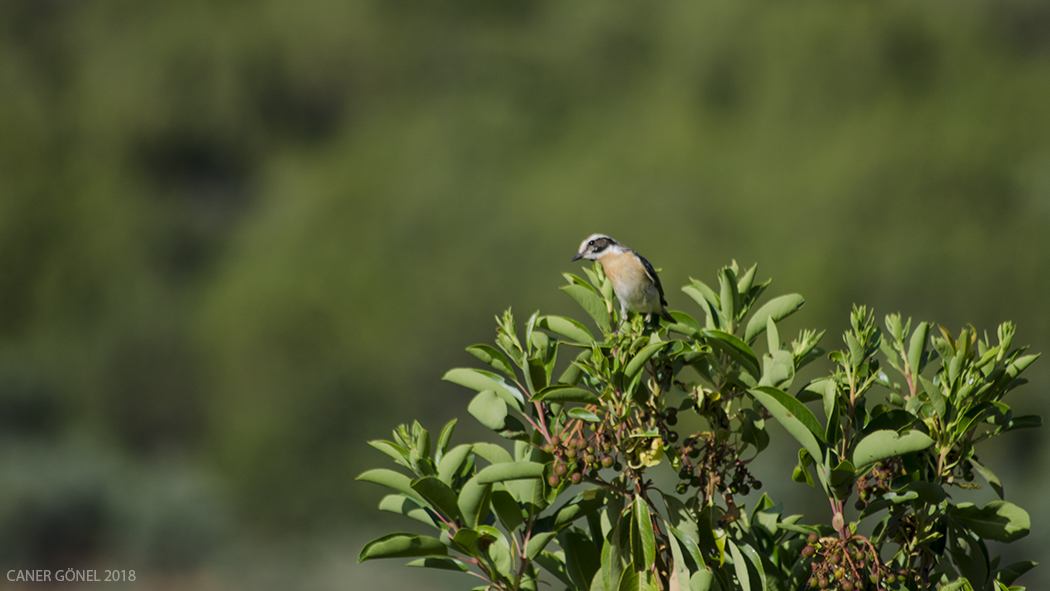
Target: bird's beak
577	257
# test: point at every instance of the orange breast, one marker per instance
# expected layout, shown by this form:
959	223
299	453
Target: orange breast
630	282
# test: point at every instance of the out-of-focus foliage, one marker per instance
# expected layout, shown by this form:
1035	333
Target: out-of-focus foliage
219	220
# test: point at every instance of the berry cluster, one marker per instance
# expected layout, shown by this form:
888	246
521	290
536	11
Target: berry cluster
707	462
845	565
870	487
663	421
573	457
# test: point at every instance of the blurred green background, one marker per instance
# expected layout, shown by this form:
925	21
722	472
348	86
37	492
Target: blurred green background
239	239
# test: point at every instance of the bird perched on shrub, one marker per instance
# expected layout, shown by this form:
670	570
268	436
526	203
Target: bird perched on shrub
633	279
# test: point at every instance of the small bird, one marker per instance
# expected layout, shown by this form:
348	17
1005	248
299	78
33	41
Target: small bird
634	281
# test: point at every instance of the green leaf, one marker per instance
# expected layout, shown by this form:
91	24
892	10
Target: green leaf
643	542
444	439
566	327
743	286
612	561
893	420
510	471
841	479
440	564
1008	574
507	510
453	461
680	573
730	297
756	562
642	356
1001	521
391	479
690	545
776	309
739	566
989	477
403	505
495	454
489	409
562	393
582	559
538	542
467	540
402	545
584	415
555	565
702	580
801	472
479	380
713	317
917	346
772	336
883	444
398	453
493	357
591	303
778	369
629	580
473	501
794	416
440	496
735	348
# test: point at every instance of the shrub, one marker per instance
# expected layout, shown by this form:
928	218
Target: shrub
903	409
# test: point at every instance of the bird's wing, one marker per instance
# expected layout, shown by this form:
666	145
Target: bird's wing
654	277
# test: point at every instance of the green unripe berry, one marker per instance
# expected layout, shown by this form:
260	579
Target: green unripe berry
607	461
576	478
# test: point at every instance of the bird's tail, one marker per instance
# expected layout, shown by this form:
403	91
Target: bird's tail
667	315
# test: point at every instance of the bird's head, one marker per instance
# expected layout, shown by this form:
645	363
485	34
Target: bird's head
594	246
